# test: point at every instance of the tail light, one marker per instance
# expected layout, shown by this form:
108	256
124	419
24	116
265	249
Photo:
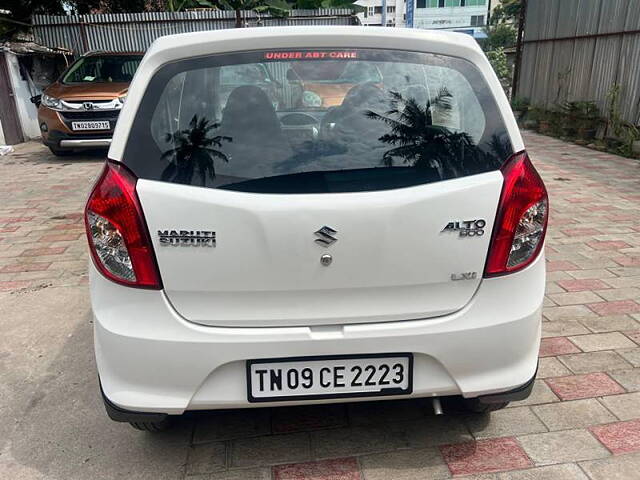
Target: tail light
521	221
117	232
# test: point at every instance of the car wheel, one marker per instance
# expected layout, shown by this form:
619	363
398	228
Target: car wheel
474	405
58	152
160	426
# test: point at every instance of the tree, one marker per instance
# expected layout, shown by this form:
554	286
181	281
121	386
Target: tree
19	18
180	5
85	7
501	35
507	12
498	60
276	8
315	4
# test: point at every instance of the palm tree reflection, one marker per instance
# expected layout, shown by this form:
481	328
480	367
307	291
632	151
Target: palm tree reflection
193	152
419	143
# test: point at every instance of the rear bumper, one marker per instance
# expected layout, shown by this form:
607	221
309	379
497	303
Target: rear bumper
152	360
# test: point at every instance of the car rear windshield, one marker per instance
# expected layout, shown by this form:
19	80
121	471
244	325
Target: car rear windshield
316	121
102	69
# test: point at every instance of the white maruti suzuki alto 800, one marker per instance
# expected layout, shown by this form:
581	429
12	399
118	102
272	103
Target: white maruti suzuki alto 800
309	215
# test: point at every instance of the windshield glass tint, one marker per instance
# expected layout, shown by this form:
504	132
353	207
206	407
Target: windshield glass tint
316	121
103	69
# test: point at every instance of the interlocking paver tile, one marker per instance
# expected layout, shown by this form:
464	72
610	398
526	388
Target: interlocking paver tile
567	471
553	346
229	425
610	323
589	385
335	469
563	328
426	463
625	406
295	419
356	441
614	294
551	367
434	430
631	355
236	474
603	361
507	422
608	245
575	298
560	447
602	341
540	393
206	458
560	265
269	450
485	456
573	414
629	379
628	261
635	336
615	308
621	467
621	437
568	312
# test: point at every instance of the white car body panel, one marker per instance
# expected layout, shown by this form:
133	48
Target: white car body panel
151	359
392	261
262	293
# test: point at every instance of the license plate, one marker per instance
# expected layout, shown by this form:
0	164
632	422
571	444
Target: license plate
335	376
99	125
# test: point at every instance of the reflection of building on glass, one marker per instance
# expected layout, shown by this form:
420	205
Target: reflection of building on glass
467	16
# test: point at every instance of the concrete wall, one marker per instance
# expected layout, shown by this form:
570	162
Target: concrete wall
27	112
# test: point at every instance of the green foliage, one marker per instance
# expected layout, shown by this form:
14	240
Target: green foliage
499	36
626	132
21	10
507	12
84	7
498	60
315	4
520	103
180	5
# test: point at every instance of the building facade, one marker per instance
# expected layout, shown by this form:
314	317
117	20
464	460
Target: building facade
468	16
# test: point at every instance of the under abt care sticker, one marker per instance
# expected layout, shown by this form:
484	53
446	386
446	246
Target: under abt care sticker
187	238
312	55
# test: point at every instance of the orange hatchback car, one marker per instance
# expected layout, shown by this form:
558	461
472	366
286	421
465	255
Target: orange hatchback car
80	109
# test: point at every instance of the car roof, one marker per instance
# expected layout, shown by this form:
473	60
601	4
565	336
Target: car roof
101	53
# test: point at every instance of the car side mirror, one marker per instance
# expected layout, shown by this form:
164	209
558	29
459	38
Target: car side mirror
36	100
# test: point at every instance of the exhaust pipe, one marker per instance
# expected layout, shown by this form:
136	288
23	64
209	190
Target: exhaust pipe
437	406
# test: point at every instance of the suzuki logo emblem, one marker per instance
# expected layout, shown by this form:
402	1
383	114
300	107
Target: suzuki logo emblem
88	105
325	236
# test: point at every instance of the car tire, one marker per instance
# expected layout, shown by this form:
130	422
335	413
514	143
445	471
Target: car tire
153	427
58	152
474	405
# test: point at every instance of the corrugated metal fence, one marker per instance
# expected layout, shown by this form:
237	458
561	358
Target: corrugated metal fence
136	31
577	49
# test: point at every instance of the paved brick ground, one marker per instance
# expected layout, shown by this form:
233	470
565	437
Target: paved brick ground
582	420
